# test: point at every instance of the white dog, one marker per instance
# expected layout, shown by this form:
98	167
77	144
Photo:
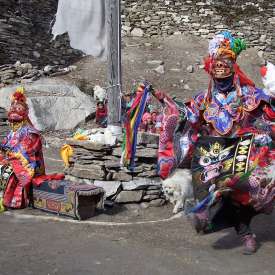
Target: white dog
178	189
100	94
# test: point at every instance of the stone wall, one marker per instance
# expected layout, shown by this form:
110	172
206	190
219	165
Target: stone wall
25	34
25	25
254	20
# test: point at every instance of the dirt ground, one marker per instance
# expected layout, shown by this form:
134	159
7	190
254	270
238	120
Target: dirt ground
44	247
177	52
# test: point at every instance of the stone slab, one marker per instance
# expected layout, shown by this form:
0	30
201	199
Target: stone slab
122	176
147	153
94	172
90	146
111	187
147	138
141	184
129	196
150	197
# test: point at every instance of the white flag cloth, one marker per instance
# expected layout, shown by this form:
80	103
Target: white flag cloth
84	20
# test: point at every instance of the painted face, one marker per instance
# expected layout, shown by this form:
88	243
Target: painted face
222	68
18	112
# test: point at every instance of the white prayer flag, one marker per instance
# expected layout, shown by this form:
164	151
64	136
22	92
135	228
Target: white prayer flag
84	20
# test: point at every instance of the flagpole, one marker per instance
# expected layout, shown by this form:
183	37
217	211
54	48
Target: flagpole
113	12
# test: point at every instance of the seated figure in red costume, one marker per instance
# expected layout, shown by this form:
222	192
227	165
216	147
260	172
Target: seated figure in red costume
101	114
21	157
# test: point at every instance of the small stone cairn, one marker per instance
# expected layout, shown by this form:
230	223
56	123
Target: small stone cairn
100	165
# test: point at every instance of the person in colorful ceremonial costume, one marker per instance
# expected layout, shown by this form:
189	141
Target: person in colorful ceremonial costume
169	122
229	135
21	157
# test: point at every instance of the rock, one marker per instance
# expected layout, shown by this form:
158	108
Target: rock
263	38
72	68
159	69
260	54
94	172
150	197
147	153
154	146
139	184
201	66
155	187
36	54
117	152
90	146
149	174
153	192
156	203
126	29
176	70
122	176
154	62
111	187
186	87
7	74
129	196
203	31
50	101
147	44
48	69
145	205
272	20
147	138
137	32
112	164
190	69
78	180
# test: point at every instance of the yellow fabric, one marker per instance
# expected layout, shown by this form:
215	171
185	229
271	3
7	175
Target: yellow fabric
79	136
66	152
2	207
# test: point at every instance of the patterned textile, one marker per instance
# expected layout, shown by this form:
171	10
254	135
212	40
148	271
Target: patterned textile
167	158
261	183
23	152
66	198
226	112
236	166
216	159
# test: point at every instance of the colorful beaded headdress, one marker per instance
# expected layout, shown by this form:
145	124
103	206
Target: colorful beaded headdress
19	96
224	44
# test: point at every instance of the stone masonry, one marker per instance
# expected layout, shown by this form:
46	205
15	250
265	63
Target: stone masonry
25	25
100	164
252	20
